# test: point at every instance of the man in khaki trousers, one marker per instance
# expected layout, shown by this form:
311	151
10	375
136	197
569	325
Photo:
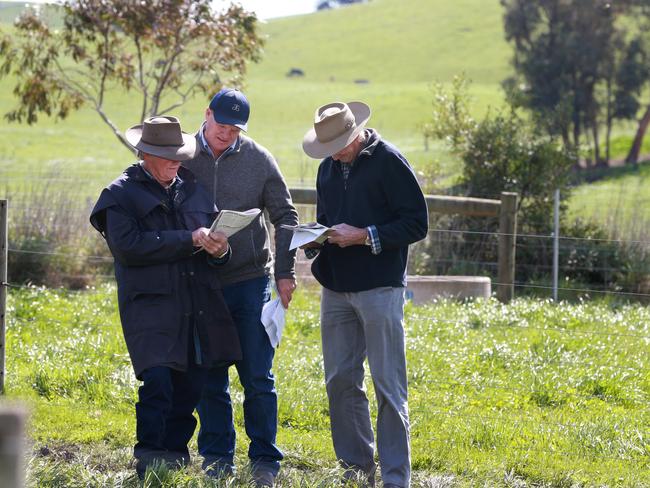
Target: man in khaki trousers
370	198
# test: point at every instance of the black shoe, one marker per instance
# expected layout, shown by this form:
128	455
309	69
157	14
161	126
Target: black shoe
263	478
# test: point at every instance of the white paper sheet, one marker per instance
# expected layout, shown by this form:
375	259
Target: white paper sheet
306	233
273	320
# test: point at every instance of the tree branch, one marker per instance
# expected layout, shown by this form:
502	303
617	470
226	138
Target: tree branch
114	128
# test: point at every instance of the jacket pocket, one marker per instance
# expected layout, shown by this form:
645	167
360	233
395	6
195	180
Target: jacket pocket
148	280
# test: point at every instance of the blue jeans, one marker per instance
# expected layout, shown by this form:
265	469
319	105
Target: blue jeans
216	440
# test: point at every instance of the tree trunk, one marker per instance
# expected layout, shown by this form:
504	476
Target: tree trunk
597	160
610	119
633	155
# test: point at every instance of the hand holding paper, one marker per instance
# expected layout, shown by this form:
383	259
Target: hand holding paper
306	233
229	222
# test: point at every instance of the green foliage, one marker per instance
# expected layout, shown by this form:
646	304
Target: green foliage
501	153
529	394
167	50
631	76
451	119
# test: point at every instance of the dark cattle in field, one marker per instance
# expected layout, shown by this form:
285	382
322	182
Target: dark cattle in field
294	72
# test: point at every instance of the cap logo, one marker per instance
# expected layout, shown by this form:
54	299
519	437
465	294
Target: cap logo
235	107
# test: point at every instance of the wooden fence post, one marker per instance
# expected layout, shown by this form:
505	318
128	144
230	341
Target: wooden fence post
3	289
505	209
12	447
507	246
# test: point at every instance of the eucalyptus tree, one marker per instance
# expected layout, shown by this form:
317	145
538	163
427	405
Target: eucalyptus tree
565	57
167	51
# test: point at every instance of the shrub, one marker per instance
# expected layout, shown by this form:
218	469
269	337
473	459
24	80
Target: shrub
504	153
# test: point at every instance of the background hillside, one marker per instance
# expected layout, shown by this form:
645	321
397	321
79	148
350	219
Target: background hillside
399	47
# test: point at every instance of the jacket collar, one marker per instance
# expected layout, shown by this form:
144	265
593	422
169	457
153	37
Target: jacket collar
372	141
185	183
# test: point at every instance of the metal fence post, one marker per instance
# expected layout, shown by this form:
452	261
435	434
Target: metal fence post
3	288
556	243
507	246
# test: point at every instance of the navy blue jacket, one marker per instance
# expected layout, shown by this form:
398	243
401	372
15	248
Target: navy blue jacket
381	190
170	301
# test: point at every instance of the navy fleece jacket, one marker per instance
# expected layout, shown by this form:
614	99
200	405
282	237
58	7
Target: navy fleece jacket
381	190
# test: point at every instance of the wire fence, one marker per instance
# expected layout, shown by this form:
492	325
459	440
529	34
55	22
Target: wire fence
463	251
457	261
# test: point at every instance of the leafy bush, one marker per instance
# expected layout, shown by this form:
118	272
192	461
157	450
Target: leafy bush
504	153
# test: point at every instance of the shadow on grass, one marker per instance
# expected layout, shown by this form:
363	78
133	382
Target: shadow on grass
591	175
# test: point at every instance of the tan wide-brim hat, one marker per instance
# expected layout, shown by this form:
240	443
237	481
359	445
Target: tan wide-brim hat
335	126
162	136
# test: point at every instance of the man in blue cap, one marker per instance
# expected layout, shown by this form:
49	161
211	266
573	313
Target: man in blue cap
240	174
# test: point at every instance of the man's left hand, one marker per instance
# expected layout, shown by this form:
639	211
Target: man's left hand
285	290
215	243
344	235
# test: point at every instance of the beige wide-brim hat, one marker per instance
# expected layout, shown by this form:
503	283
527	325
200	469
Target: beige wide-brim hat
162	136
335	126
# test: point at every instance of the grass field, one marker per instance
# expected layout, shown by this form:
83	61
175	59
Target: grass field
529	394
619	200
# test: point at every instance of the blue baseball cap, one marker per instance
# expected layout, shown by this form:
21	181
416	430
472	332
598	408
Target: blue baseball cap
231	107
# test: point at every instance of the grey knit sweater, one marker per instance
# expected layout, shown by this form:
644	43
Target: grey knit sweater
244	177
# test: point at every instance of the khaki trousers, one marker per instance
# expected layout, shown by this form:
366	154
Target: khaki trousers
356	326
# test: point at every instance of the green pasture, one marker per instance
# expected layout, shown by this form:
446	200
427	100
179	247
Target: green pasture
400	47
620	201
527	394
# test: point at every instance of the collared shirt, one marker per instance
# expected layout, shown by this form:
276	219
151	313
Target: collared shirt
345	169
208	149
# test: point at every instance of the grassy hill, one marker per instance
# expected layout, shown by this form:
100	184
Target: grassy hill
388	41
400	47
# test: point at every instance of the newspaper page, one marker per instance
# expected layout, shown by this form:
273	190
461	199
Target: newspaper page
231	221
306	233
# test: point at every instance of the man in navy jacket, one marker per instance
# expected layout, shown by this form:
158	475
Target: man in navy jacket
370	197
176	324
